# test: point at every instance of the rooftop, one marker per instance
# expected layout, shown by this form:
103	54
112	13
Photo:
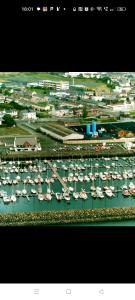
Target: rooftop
58	129
19	141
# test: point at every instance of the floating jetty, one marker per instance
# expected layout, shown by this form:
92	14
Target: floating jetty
58	176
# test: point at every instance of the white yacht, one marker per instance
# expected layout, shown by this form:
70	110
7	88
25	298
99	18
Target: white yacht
71	189
24	192
6	199
67	197
109	193
13	198
83	194
100	194
94	194
48	196
41	197
59	196
33	191
18	192
76	195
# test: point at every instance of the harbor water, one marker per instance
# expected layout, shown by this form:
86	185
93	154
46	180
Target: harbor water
86	176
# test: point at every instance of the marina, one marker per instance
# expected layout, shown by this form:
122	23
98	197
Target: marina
67	184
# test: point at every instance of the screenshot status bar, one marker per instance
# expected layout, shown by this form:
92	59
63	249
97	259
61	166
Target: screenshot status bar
67	291
63	8
51	10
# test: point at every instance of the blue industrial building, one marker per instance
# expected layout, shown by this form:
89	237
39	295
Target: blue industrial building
88	129
91	129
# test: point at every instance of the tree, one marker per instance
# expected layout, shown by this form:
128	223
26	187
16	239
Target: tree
6	92
9	120
85	112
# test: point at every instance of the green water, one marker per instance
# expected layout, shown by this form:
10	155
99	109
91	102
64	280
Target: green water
23	205
106	224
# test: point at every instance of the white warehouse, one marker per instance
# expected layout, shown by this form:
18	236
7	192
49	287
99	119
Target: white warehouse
61	133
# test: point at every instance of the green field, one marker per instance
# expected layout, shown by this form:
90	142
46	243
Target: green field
43	104
32	76
42	114
132	113
4	76
13	131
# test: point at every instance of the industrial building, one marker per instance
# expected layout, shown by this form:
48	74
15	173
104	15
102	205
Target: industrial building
122	107
58	85
91	129
60	132
29	115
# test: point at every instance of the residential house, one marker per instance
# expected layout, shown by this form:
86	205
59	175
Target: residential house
29	115
26	144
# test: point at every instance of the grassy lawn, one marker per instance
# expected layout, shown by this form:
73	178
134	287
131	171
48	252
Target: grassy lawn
13	131
29	75
107	120
42	114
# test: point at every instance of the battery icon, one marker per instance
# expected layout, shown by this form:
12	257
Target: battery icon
121	8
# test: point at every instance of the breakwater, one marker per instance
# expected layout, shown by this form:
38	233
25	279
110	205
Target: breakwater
67	217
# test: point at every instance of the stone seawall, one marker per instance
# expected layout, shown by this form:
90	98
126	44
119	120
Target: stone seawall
67	217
